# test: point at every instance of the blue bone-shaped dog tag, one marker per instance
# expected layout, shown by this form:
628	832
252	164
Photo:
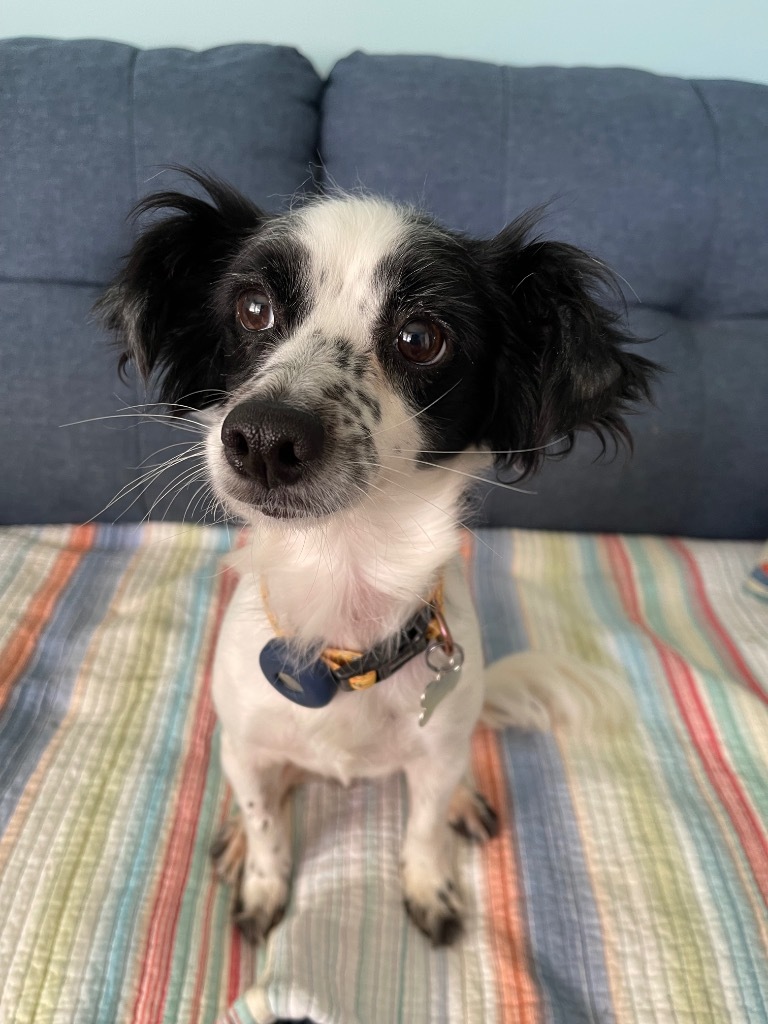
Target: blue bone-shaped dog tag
312	686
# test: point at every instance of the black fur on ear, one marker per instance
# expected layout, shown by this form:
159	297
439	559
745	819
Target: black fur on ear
160	302
560	364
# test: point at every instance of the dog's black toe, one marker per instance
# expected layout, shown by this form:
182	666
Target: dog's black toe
478	824
255	925
441	926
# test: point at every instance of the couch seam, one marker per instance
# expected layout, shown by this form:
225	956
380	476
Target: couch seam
699	284
504	140
135	198
62	281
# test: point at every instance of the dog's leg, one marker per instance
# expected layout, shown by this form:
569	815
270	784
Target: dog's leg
471	815
431	893
255	852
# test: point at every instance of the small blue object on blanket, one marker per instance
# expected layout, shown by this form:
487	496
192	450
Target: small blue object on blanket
757	581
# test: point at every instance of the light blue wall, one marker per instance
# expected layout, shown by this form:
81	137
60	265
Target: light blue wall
705	38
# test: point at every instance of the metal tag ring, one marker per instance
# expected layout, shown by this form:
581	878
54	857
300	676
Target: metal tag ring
453	660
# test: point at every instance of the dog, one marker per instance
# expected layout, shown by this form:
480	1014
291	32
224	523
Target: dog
357	366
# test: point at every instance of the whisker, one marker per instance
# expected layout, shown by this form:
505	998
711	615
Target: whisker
143	481
469	476
522	281
178	482
180	403
402	487
445	512
483	451
200	495
176	444
419	412
615	273
391	514
188	425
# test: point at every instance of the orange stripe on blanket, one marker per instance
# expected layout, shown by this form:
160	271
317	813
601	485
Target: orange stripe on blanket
18	650
506	928
159	943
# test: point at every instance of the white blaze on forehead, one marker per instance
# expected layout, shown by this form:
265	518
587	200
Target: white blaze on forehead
347	239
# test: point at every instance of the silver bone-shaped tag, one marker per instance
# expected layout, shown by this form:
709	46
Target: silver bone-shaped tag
447	672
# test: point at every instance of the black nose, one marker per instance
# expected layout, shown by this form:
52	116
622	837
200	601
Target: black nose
270	442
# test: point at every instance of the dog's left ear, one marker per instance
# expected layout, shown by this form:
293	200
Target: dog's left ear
560	365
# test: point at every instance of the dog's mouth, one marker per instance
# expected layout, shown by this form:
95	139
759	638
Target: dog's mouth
288	508
305	500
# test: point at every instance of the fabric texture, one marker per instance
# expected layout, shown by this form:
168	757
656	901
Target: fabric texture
88	128
660	178
629	883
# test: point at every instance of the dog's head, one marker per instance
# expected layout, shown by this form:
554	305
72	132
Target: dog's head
351	338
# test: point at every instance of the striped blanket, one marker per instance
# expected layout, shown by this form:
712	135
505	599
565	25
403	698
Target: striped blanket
629	883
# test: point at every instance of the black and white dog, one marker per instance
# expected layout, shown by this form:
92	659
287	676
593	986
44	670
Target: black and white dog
358	365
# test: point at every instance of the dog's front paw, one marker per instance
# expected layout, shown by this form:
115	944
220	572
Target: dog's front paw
435	907
472	816
260	906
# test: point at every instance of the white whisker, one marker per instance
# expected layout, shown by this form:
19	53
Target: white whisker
419	412
188	425
483	451
141	483
178	483
469	476
167	447
445	512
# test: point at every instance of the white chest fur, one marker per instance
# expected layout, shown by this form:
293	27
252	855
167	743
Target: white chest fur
360	734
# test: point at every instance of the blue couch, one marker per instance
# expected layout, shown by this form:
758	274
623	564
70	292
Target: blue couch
662	178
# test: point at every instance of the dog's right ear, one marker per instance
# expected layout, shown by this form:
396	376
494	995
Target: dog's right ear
160	304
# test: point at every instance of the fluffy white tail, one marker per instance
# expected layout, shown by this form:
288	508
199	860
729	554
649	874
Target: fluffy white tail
536	690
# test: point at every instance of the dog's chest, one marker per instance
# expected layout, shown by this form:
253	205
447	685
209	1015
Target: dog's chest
359	734
349	739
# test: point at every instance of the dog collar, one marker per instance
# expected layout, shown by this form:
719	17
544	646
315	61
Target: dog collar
317	683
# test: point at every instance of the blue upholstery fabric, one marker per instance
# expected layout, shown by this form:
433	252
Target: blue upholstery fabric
661	178
86	128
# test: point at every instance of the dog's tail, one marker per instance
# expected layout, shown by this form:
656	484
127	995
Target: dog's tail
536	690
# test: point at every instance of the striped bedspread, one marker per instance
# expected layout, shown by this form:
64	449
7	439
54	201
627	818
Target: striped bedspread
629	884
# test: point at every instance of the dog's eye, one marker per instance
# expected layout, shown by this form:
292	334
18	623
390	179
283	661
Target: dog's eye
254	311
421	341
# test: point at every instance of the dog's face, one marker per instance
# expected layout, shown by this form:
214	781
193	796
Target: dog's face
352	339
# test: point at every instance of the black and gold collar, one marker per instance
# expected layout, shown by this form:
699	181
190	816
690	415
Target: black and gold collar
316	683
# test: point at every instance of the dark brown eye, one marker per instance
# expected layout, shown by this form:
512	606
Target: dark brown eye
254	311
421	341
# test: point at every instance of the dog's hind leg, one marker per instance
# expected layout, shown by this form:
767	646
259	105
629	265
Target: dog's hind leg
228	850
253	850
471	815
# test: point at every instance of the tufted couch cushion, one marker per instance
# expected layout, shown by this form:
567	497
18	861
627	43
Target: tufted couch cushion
661	178
87	128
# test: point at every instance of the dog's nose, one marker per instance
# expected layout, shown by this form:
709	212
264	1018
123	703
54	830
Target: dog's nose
271	442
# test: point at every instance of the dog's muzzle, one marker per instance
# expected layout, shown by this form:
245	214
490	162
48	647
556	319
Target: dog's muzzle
273	444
